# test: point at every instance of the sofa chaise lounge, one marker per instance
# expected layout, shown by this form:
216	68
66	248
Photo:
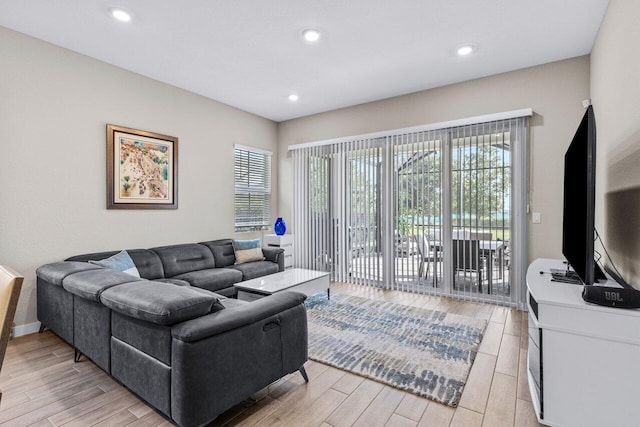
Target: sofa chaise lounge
172	336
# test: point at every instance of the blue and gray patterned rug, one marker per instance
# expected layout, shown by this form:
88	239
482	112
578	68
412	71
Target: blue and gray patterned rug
421	351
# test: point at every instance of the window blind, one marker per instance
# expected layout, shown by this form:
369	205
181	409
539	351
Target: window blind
405	210
252	188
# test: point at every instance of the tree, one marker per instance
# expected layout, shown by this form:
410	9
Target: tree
419	192
480	183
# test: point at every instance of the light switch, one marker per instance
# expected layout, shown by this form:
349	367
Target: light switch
536	217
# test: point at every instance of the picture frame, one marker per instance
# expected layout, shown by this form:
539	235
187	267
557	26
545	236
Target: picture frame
142	169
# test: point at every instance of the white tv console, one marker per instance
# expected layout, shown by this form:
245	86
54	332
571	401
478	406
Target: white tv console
583	359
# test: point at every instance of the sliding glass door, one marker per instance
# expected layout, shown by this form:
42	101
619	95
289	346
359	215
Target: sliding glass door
425	211
339	208
481	192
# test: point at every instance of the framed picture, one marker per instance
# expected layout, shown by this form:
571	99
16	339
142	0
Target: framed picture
142	169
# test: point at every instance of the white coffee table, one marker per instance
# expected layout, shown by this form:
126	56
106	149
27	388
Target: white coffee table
308	282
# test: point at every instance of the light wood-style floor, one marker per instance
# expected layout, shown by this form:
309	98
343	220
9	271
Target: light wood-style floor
43	387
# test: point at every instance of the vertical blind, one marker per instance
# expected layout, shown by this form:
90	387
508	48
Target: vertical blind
252	199
429	211
456	217
337	206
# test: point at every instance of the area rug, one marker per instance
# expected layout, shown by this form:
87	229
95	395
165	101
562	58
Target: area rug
425	352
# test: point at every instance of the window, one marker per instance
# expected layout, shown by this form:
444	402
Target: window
252	188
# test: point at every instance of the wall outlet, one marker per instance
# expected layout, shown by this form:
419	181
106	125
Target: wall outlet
536	217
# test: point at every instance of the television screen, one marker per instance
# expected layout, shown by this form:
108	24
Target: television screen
578	226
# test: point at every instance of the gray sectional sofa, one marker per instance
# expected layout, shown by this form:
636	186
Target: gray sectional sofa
174	336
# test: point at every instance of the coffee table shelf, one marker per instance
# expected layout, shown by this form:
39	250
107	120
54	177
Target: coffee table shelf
308	282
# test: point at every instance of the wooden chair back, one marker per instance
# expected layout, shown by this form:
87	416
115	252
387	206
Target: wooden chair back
10	286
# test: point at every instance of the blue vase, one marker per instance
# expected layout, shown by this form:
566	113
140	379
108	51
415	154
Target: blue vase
280	227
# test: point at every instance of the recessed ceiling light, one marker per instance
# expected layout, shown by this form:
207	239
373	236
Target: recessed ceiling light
293	97
465	50
311	35
120	15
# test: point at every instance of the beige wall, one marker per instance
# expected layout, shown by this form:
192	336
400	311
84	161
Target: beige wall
54	105
615	92
555	92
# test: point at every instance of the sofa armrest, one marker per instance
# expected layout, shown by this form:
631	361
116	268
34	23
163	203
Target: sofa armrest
236	317
236	352
274	255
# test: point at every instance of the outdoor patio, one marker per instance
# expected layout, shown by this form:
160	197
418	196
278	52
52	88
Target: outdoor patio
368	268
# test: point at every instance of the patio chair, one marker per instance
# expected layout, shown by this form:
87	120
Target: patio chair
503	258
466	257
403	244
428	253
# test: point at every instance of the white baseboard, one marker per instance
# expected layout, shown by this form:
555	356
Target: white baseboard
29	328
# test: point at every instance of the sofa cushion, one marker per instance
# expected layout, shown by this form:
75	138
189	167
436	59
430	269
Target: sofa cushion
55	272
118	262
90	284
251	270
178	259
173	281
247	251
157	302
240	245
222	251
249	255
147	262
212	279
218	305
207	292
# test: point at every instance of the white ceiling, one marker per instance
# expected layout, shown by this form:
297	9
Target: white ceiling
250	53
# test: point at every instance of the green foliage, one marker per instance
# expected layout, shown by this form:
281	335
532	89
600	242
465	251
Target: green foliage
405	224
480	180
319	184
364	186
419	186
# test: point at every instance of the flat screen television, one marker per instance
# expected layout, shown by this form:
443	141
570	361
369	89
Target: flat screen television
578	222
